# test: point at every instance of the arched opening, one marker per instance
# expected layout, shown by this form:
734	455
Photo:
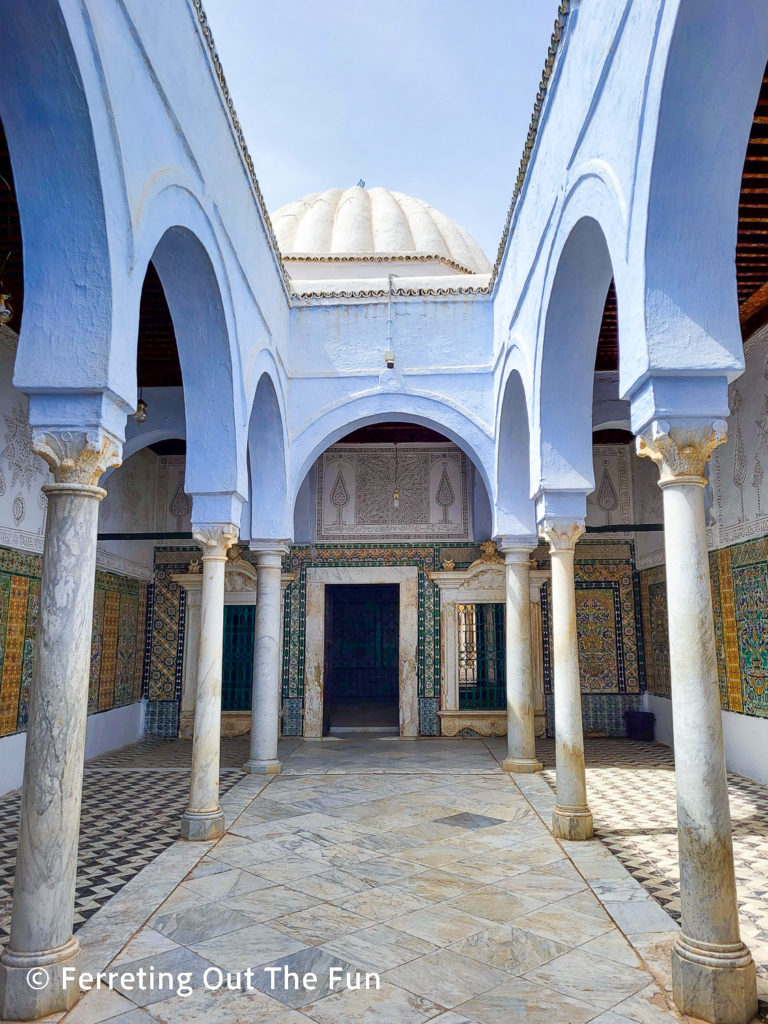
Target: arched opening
704	122
575	314
385	505
270	517
514	508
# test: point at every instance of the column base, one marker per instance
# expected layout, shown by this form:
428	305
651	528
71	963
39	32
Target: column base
32	985
256	766
198	826
572	823
525	765
714	983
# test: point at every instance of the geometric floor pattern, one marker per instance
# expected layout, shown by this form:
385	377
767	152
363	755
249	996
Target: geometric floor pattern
133	800
631	789
132	805
449	887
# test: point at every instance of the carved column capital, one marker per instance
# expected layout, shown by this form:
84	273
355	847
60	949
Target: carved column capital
681	450
561	534
77	456
215	538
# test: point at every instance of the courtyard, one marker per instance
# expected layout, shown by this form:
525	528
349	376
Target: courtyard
418	861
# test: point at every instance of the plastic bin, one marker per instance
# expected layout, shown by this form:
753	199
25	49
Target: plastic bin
640	725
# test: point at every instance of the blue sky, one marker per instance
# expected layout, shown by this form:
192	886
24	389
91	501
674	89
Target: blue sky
420	96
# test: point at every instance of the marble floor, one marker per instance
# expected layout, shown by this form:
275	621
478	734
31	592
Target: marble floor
417	861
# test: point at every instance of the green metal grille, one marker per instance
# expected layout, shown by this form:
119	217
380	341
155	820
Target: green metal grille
237	665
482	675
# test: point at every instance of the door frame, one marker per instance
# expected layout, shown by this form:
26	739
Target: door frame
407	577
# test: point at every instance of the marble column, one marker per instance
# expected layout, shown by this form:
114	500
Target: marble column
41	943
521	740
265	703
712	970
204	818
571	818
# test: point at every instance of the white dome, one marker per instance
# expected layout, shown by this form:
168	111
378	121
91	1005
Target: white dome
357	223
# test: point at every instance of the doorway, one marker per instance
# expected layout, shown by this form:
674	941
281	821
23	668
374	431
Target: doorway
362	641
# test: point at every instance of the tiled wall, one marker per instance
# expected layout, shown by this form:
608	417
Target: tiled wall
739	577
117	644
611	654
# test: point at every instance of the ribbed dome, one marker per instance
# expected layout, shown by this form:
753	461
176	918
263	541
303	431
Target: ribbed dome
359	222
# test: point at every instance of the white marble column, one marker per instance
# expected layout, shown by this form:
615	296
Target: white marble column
521	740
571	818
712	970
265	703
46	860
204	818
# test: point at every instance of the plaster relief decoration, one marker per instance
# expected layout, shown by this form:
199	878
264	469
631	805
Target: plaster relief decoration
393	492
737	468
611	501
173	506
25	465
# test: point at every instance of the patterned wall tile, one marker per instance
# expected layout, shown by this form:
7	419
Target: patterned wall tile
607	619
113	681
739	578
13	657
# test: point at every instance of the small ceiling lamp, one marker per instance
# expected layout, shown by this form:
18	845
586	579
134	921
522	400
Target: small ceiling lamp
141	409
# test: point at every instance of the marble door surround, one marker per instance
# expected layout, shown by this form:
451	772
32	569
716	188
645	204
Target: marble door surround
407	578
483	582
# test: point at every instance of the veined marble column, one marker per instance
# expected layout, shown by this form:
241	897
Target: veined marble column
521	740
265	704
712	970
571	818
46	861
204	818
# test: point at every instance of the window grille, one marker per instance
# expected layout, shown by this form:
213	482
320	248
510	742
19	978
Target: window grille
482	675
237	663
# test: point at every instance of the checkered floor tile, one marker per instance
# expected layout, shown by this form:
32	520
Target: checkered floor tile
132	802
631	788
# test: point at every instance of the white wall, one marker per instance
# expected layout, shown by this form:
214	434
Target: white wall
105	731
746	738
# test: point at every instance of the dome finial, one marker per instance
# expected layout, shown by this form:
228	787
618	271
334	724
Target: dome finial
361	184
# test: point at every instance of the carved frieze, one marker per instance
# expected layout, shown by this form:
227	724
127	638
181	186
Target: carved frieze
393	492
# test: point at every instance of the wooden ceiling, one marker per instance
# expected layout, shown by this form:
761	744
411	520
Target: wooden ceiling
393	433
752	242
11	254
157	362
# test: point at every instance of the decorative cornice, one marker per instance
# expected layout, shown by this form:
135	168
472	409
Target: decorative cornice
215	539
378	257
681	450
561	534
77	456
205	30
554	45
384	293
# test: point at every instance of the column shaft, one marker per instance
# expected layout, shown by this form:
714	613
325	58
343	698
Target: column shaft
521	739
204	818
712	970
571	818
265	706
46	859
